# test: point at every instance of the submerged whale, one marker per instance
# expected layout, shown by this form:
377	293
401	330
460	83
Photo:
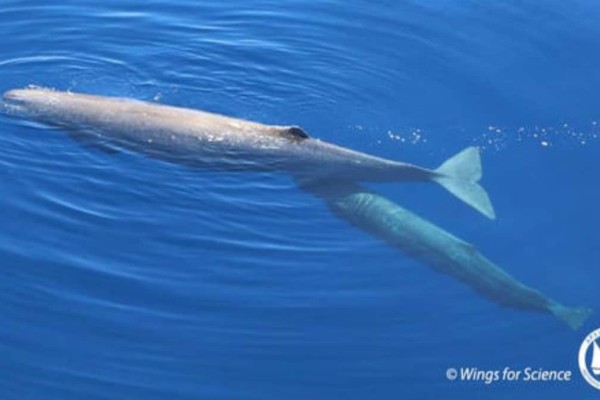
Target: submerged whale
437	248
205	139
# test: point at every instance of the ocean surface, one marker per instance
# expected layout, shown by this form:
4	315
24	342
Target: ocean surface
124	277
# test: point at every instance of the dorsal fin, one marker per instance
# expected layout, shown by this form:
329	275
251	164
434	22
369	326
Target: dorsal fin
294	132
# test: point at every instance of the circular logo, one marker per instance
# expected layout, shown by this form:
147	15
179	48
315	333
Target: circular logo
589	358
451	374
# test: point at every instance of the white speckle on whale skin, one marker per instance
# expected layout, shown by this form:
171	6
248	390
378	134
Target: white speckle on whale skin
53	100
38	87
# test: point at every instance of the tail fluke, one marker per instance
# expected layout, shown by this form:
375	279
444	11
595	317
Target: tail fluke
574	317
460	174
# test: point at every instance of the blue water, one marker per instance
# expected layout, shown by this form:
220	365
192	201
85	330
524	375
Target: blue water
124	277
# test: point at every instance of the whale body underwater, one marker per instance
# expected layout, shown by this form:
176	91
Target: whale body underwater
444	252
330	172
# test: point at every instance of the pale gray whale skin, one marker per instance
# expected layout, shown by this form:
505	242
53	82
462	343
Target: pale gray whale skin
437	248
205	139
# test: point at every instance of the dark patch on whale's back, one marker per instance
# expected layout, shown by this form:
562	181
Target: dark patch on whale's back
294	133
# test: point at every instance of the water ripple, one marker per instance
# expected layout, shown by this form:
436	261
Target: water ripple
126	277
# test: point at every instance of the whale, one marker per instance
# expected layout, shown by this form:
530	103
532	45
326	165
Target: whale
205	139
432	245
330	172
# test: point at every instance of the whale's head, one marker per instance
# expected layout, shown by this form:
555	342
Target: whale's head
25	97
27	101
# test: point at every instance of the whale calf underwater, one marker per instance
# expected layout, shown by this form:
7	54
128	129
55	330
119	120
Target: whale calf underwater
330	172
205	139
439	249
